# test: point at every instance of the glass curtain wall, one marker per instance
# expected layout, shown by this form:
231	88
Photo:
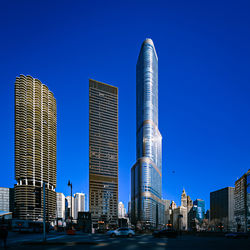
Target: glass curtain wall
146	174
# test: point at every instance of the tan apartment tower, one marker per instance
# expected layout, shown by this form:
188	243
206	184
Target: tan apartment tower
35	149
103	153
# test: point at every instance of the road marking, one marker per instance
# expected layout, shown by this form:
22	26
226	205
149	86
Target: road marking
162	243
57	237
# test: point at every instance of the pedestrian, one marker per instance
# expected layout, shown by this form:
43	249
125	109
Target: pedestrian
4	235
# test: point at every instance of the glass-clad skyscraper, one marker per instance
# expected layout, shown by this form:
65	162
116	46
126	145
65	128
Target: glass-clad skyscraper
146	174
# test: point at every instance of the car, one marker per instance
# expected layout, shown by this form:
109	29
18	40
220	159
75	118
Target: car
236	235
165	233
123	231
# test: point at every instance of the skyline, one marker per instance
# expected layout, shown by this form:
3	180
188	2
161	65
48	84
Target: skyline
205	127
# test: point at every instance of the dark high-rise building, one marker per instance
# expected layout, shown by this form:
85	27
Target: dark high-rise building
222	207
35	149
103	152
242	202
146	174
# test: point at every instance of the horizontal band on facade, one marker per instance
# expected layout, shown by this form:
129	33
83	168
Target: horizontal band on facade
98	178
149	161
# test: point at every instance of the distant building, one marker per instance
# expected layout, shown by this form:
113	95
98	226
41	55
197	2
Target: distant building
121	210
242	202
68	198
166	211
60	206
169	214
79	204
189	203
129	210
199	208
103	153
6	199
180	218
222	207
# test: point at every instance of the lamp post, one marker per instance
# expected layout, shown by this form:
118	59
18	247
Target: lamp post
70	185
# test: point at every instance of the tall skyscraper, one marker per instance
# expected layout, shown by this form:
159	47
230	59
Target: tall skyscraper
35	149
103	152
146	174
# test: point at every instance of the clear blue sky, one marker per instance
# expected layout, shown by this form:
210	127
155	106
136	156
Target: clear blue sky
204	83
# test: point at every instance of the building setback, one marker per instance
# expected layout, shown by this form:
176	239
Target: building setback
103	152
146	174
222	207
242	202
35	149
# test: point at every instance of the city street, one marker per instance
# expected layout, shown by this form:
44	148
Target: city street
96	241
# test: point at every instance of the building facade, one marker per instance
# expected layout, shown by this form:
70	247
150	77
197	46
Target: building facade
242	202
180	218
121	210
60	206
146	174
79	204
166	211
199	208
70	200
103	152
222	208
6	199
35	149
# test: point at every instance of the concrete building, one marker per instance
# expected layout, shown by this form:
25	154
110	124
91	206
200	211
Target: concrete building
103	153
180	218
242	202
79	204
121	210
60	206
179	215
166	211
146	174
6	199
35	149
222	207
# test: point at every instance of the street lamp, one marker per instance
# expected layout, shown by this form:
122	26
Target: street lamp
70	185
